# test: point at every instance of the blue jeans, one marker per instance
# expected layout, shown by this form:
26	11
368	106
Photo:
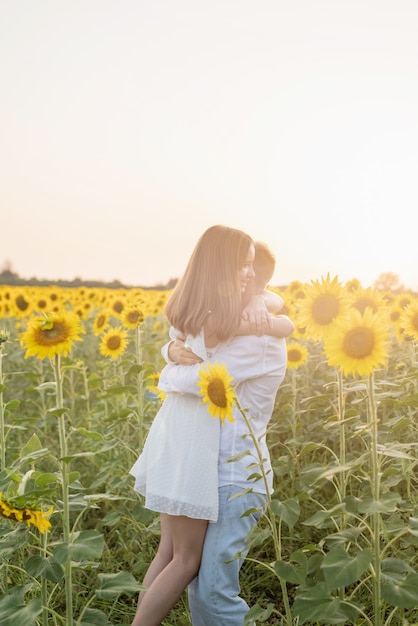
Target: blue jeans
214	594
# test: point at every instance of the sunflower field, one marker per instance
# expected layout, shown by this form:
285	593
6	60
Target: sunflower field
338	542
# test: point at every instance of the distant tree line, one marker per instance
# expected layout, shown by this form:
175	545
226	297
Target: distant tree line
9	277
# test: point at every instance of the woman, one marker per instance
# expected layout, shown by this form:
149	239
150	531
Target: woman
183	442
258	366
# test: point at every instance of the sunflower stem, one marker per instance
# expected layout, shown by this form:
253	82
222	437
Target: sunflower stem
341	411
2	437
140	384
44	588
375	486
65	488
272	517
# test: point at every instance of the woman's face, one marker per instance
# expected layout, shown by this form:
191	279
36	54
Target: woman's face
246	272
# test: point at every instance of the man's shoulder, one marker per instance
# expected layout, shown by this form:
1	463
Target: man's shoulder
255	342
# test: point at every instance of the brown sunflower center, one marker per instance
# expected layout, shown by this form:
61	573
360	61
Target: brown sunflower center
414	321
359	343
113	343
294	355
52	336
216	392
134	317
101	320
118	306
325	309
362	303
21	303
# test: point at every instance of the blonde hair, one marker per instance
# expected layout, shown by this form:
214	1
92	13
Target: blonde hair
263	265
210	285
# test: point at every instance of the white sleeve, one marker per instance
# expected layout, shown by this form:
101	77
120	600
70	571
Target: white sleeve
245	357
164	350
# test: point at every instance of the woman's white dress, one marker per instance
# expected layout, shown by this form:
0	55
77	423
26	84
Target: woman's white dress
177	471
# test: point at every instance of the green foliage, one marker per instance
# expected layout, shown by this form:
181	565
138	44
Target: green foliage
341	529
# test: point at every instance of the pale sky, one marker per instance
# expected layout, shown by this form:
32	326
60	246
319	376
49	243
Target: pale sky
128	127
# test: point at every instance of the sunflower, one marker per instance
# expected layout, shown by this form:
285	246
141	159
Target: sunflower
295	290
21	303
357	344
114	342
409	320
403	299
297	354
4	336
395	319
352	285
51	334
152	387
324	302
160	326
100	322
117	303
30	516
368	297
132	316
216	390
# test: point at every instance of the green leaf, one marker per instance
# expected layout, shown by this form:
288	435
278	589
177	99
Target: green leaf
57	411
45	479
254	477
88	433
396	568
341	569
135	369
288	511
413	526
238	457
87	544
13	612
46	567
112	585
118	390
33	445
411	400
317	604
403	594
142	515
11	542
38	454
46	386
348	535
324	519
94	617
257	536
11	405
295	574
258	613
387	503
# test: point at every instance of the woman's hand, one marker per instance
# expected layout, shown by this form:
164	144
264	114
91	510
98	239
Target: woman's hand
258	316
181	353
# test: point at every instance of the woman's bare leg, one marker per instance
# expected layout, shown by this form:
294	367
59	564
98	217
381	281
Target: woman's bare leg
187	536
162	558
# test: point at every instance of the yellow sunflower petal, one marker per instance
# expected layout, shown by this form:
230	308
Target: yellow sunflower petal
325	301
114	342
297	354
51	334
215	387
358	344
